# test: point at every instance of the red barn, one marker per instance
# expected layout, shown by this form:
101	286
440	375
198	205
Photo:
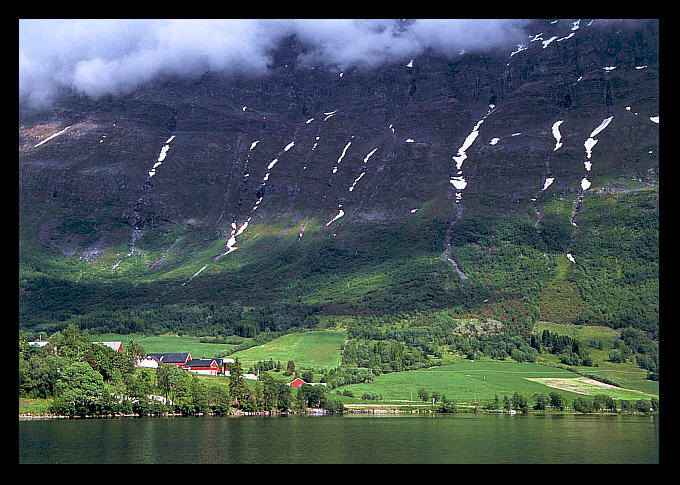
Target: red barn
202	366
297	382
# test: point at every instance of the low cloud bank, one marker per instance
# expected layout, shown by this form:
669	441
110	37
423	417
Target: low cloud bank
98	57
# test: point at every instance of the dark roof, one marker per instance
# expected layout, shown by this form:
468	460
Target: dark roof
170	358
199	363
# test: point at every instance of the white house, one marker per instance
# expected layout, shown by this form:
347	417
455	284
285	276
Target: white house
147	361
38	343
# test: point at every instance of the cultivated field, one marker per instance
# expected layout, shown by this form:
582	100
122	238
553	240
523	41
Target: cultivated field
477	381
589	387
309	349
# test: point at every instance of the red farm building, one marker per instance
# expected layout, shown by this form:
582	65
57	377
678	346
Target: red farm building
207	367
297	382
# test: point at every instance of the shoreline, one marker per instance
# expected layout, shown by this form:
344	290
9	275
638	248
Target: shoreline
321	412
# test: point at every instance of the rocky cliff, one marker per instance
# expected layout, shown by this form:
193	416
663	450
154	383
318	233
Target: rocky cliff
572	110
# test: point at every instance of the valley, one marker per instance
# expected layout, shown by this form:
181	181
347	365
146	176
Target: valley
430	216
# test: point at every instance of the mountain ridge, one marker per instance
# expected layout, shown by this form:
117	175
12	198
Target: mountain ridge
313	163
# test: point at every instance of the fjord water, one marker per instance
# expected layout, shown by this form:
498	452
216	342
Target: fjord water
465	438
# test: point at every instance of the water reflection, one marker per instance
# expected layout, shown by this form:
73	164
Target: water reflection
463	438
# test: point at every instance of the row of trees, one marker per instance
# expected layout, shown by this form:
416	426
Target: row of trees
570	350
396	348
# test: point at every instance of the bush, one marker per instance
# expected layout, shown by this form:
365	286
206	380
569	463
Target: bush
332	406
447	408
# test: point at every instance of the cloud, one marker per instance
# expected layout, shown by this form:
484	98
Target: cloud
97	57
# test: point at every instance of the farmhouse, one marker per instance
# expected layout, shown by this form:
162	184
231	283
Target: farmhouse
38	343
178	359
207	367
148	362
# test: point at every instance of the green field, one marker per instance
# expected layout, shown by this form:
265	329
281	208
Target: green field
170	343
309	349
477	381
628	375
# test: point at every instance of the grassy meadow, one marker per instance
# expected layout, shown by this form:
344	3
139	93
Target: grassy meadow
479	381
170	343
309	349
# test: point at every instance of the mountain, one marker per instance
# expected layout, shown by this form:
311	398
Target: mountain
515	185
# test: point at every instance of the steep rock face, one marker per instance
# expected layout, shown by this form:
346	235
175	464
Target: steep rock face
296	140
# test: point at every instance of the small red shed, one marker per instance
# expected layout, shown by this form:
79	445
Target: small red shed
297	382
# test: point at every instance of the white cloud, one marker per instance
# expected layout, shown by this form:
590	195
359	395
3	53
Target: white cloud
96	57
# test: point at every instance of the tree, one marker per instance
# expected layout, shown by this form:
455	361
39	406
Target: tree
311	394
134	351
542	401
172	382
284	396
218	399
107	361
654	402
77	388
198	400
520	402
140	384
423	394
71	342
300	401
332	406
643	406
601	401
269	393
447	407
38	374
583	406
626	406
238	391
290	368
557	401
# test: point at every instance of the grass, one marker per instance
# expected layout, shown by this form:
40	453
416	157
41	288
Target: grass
319	349
478	381
35	406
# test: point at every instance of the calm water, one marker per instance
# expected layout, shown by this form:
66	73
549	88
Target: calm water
343	439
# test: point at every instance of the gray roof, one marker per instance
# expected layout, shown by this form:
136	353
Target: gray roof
170	357
200	362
